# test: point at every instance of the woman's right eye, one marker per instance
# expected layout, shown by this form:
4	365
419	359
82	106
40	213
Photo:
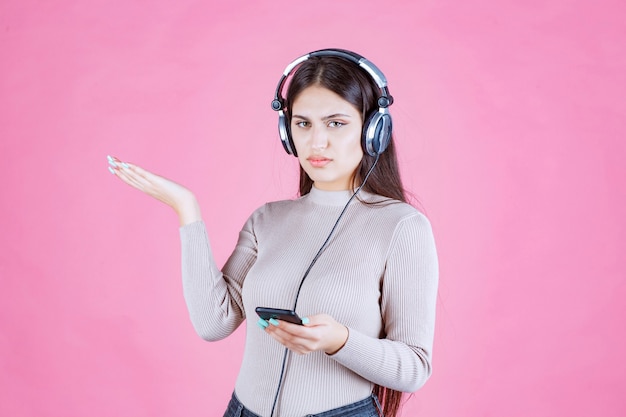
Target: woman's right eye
301	123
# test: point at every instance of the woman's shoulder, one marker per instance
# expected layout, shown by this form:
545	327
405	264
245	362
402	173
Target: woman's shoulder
285	204
389	214
391	207
277	207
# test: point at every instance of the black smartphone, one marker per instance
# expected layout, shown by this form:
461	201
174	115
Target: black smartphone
267	313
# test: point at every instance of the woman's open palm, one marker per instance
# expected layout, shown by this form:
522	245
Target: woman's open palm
167	191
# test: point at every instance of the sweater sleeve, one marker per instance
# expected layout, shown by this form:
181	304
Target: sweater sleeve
402	360
213	296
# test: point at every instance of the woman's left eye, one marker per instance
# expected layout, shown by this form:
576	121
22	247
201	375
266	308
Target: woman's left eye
335	123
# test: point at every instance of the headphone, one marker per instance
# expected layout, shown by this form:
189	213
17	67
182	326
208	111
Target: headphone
376	130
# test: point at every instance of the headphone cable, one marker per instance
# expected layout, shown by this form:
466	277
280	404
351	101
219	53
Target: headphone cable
306	273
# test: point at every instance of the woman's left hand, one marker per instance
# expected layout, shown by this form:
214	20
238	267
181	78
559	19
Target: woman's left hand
322	332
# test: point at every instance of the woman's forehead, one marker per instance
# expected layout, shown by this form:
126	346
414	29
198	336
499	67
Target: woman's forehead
320	101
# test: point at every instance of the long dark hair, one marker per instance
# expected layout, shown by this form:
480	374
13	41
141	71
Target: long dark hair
347	80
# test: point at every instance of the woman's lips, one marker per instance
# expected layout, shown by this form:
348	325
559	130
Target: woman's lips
318	162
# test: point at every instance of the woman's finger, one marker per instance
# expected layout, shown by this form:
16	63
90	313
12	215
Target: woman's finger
136	176
126	175
322	333
295	337
160	188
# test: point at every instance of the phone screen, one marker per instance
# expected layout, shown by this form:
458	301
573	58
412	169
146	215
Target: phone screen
267	313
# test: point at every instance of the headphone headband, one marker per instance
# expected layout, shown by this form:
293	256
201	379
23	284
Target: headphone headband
385	100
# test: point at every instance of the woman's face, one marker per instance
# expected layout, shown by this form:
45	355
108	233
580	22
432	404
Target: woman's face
326	131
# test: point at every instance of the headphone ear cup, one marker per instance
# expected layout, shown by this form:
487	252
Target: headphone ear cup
377	133
285	134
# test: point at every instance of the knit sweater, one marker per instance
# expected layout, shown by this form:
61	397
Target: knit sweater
378	276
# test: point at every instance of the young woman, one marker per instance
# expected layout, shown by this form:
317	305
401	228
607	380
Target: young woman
350	256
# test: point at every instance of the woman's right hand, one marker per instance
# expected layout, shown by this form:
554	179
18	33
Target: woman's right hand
174	195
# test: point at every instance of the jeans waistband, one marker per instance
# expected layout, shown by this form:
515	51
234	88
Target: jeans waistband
236	409
368	407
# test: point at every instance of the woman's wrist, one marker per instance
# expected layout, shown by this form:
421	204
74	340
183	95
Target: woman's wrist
188	209
341	341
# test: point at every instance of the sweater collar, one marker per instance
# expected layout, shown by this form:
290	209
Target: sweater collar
330	198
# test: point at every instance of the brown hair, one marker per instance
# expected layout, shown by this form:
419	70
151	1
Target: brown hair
347	80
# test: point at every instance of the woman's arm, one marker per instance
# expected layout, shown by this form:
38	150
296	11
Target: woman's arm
213	298
401	361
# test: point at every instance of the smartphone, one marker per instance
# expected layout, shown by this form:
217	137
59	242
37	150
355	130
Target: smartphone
267	313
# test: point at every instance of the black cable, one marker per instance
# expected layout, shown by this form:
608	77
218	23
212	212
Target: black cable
319	252
306	273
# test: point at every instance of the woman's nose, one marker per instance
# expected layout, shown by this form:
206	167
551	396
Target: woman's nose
319	139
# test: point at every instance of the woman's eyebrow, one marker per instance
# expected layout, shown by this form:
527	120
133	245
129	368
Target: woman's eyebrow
332	116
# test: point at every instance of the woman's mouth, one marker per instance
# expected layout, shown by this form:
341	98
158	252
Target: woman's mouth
318	162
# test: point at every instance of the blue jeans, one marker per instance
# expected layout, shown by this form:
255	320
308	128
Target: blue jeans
365	408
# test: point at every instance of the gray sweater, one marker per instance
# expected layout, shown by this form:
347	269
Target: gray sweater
378	276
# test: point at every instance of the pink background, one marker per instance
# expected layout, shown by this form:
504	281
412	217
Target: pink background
511	122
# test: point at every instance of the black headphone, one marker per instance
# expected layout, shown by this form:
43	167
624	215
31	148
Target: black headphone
376	130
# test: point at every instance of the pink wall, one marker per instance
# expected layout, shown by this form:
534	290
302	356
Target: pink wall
510	119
